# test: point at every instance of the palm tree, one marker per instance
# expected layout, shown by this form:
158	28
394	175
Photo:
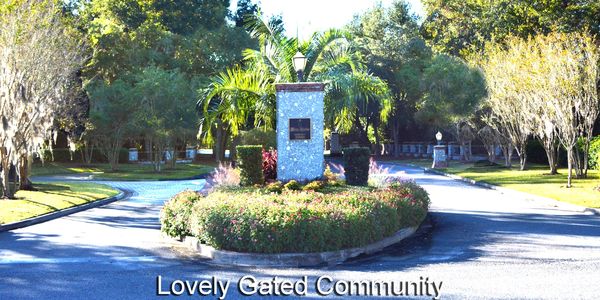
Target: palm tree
245	96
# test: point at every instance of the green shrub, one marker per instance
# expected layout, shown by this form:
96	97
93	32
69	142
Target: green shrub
274	187
306	221
594	158
175	214
250	164
314	186
356	165
257	136
293	185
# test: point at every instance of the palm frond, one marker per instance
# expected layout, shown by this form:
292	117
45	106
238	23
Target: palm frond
319	42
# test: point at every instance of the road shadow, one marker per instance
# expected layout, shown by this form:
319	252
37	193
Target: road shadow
461	236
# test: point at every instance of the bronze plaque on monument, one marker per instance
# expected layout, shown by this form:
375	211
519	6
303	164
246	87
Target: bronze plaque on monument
299	129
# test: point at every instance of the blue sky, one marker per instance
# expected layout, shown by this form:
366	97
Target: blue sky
318	15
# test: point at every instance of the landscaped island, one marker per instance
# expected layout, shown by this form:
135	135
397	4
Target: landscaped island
321	215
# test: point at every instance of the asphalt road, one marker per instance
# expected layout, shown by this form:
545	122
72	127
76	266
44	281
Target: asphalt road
480	244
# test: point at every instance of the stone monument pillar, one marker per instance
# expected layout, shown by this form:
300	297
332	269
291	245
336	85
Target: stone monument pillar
300	121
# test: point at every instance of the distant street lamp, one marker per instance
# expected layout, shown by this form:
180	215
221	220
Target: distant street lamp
438	137
299	61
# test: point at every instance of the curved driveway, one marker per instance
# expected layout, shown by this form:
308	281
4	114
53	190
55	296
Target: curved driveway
482	244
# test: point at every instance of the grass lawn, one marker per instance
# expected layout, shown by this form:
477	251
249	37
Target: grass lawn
534	181
125	172
51	197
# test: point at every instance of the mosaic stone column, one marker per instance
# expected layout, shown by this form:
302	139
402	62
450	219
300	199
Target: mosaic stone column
300	121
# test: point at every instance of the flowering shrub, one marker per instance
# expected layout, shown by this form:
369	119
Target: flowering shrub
306	221
175	214
225	175
269	164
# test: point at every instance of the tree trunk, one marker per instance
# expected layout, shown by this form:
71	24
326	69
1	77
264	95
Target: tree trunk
491	152
233	150
149	152
172	147
509	154
395	136
157	155
114	156
586	158
578	163
522	152
88	150
378	147
218	151
24	168
466	146
7	190
570	165
377	143
551	148
217	148
173	161
523	162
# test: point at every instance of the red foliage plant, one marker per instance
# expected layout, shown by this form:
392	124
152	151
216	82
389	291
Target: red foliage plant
269	165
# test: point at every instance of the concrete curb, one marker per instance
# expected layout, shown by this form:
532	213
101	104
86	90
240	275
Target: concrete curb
508	191
65	212
294	260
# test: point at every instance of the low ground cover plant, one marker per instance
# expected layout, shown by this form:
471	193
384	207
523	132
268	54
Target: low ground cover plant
323	217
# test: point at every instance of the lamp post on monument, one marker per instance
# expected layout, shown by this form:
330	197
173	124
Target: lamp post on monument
300	123
299	62
439	153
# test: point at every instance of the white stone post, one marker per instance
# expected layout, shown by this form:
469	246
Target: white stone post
440	160
190	153
336	147
133	154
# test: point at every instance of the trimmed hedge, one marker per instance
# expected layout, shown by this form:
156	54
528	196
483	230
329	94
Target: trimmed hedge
250	164
175	214
356	165
256	221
